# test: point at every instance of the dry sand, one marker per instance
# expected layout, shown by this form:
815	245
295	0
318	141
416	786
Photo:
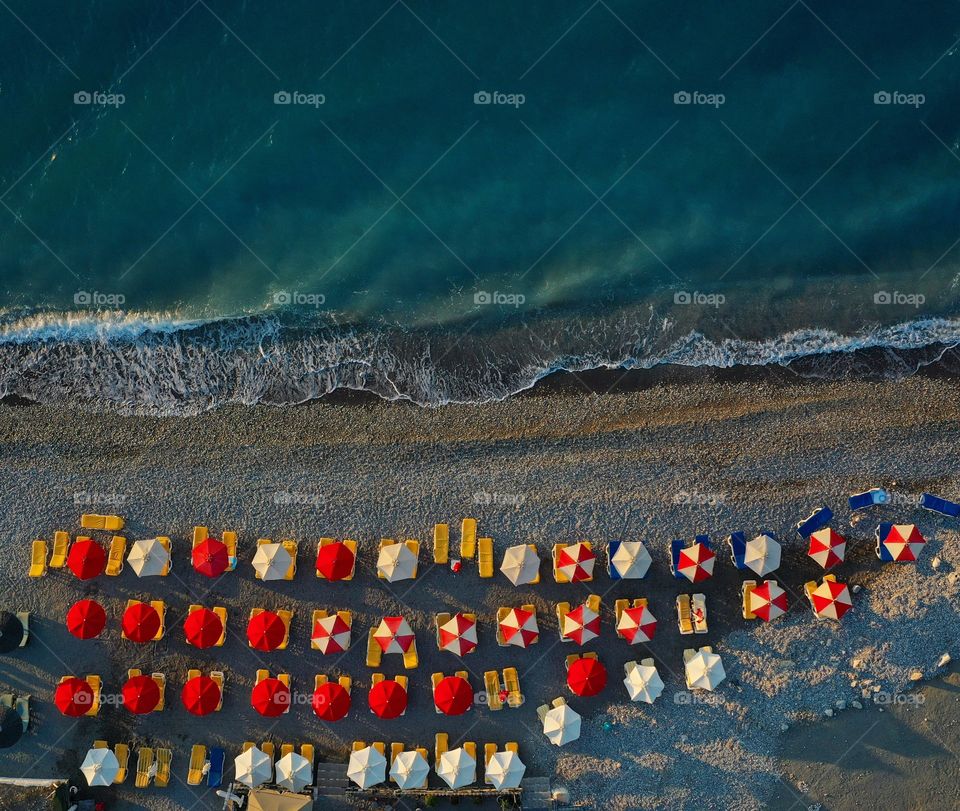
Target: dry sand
548	467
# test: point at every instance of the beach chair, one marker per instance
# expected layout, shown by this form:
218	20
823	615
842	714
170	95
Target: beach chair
122	751
286	749
161	682
395	749
404	682
284	678
435	680
319	680
410	658
287	618
161	608
220	679
485	557
422	751
22	706
111	523
376	678
676	546
230	541
380	747
215	769
247	745
818	519
115	556
144	766
352	546
491	683
562	610
308	754
439	621
193	674
746	590
95	685
875	495
810	587
471	749
441	543
594	603
928	501
291	547
441	743
489	750
374	651
559	576
317	615
684	614
38	559
6	699
200	534
164	541
542	711
198	757
619	607
357	746
100	745
511	680
468	538
502	613
61	547
267	748
699	614
320	544
24	617
164	761
737	542
133	672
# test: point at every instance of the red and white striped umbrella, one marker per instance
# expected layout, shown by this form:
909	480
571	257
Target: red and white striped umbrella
576	562
331	634
459	634
519	628
696	562
581	624
831	600
904	542
393	635
637	625
768	601
828	548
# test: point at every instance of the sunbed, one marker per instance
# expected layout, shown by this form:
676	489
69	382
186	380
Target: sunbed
161	608
512	746
24	617
287	618
491	683
395	749
286	749
230	541
22	706
144	765
562	610
410	658
61	547
619	607
559	576
267	748
485	557
111	523
161	682
439	621
511	680
818	519
441	745
220	679
164	541
471	749
100	745
441	543
164	761
737	542
699	614
489	750
291	547
746	590
594	603
928	501
122	751
435	679
247	746
215	773
38	559
374	651
198	757
684	614
468	538
876	495
118	549
675	548
95	684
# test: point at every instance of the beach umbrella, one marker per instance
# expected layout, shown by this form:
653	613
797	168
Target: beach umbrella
393	635
210	557
643	682
331	702
387	699
561	725
453	695
831	600
576	561
505	770
367	767
148	558
828	548
203	628
519	627
272	561
294	772
581	624
331	634
266	631
141	622
396	562
86	619
11	631
335	560
11	727
409	769
201	695
637	625
253	767
704	670
631	560
586	676
100	767
520	564
696	562
903	542
459	634
141	695
762	554
768	601
73	697
86	559
270	697
457	768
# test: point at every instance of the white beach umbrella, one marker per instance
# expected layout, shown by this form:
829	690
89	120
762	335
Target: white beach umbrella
505	770
409	769
762	554
520	564
367	767
704	671
396	562
272	561
253	767
100	767
457	768
294	772
643	682
148	558
631	560
561	725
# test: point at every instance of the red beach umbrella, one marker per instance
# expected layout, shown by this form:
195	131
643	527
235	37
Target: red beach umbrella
271	698
828	548
331	634
141	622
696	562
266	631
86	559
393	635
73	697
459	634
831	600
335	561
637	625
453	695
768	601
201	695
203	628
331	702
141	694
86	619
210	557
902	543
576	562
519	627
387	699
586	677
581	624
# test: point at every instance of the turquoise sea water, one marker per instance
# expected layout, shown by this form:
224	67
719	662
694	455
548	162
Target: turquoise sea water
445	201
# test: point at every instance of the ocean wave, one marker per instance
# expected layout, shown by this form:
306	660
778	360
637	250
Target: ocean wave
161	364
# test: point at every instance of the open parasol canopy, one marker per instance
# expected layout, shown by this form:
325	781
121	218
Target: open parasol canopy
11	727
335	561
457	768
519	627
203	628
828	548
704	671
141	623
637	625
901	543
581	624
768	601
576	562
331	701
210	557
331	634
201	695
387	699
100	767
831	600
762	554
393	635
253	767
294	772
270	697
141	695
11	631
561	725
505	770
86	619
73	697
520	565
272	561
148	558
86	559
453	695
696	562
266	631
459	634
409	770
367	767
643	682
396	562
629	561
586	676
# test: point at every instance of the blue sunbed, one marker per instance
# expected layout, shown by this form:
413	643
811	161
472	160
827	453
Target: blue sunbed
215	775
940	505
876	495
675	547
818	519
882	552
738	548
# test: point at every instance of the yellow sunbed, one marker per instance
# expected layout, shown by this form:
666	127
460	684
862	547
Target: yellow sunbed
100	745
307	752
511	680
267	748
161	608
61	547
111	523
439	621
374	651
286	749
95	684
491	683
221	612
410	658
746	590
562	610
144	764
164	760
485	557
559	576
619	607
161	682
468	538
122	751
38	559
594	603
287	617
198	757
441	543
164	541
441	744
118	549
291	547
230	541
